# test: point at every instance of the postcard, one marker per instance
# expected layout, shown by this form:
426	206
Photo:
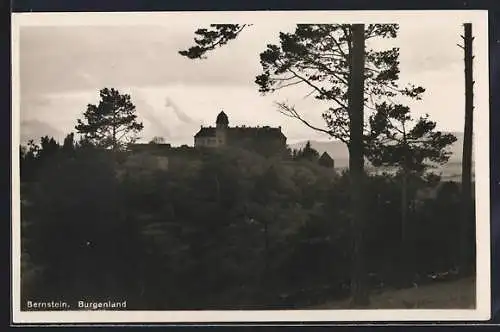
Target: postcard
266	166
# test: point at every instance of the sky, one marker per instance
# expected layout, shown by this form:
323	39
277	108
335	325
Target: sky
62	68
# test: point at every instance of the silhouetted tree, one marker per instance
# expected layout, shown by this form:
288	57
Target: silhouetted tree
467	207
157	140
321	58
231	226
278	231
307	153
28	155
48	147
355	111
34	155
112	124
80	231
265	191
411	146
69	143
210	39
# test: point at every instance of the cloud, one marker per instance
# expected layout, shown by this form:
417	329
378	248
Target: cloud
35	129
63	68
71	58
180	114
58	59
33	102
429	47
148	113
180	121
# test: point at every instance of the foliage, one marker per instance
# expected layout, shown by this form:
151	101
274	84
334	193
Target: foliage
157	140
210	39
412	147
238	230
306	153
112	124
332	61
395	142
317	56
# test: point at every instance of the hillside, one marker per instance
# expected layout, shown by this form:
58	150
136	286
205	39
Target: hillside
338	151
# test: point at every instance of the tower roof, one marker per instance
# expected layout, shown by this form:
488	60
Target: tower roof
326	156
326	160
222	119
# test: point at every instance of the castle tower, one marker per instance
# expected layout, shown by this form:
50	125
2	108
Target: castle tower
221	126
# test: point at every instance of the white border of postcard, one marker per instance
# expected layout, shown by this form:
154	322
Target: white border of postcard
478	18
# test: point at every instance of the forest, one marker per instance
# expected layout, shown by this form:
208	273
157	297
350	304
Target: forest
232	228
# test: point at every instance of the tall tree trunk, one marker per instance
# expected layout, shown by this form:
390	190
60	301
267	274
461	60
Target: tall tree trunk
467	212
114	131
359	291
404	249
404	259
404	206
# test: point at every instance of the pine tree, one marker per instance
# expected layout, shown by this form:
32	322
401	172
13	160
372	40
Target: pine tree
112	124
307	153
355	98
412	147
69	143
468	208
324	58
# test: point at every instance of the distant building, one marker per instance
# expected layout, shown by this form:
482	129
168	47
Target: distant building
326	161
246	137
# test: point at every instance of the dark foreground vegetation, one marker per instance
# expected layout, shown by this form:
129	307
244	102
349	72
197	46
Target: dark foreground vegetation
220	229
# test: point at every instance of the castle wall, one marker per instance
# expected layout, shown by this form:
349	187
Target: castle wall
260	138
205	141
221	135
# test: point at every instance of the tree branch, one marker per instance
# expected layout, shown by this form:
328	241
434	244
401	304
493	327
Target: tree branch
339	46
316	88
292	113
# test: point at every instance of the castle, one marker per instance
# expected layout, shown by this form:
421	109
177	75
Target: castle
268	141
247	137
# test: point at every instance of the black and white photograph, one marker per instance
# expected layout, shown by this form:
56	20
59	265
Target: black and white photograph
250	166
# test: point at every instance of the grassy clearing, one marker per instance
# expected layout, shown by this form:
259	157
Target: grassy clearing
459	294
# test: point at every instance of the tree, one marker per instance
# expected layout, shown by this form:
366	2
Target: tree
468	209
69	144
34	155
27	163
208	40
112	124
355	98
308	153
279	231
48	147
323	58
318	57
265	191
412	150
80	226
157	140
